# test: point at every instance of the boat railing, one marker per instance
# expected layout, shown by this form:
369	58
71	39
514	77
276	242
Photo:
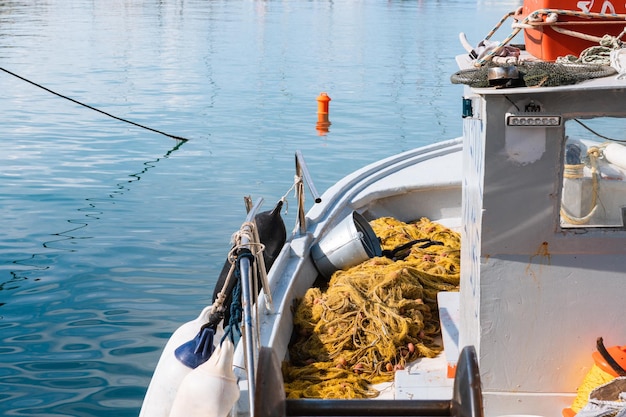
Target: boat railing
302	176
466	398
248	239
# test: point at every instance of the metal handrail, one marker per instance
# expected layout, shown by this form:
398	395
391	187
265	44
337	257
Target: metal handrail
303	172
250	339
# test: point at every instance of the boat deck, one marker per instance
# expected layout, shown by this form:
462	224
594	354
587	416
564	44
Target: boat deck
431	378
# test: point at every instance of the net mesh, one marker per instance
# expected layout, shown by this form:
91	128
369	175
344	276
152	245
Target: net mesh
536	74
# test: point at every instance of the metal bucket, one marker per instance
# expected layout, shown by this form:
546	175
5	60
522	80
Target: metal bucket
351	242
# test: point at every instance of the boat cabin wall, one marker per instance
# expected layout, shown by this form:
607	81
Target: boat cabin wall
534	295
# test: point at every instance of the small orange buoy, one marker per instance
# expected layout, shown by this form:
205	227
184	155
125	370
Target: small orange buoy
323	103
323	123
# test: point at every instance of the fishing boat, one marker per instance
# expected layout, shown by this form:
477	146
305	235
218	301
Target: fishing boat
518	231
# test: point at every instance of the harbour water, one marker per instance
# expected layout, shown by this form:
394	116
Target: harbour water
112	235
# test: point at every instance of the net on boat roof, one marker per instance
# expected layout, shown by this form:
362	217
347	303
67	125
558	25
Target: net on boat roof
532	74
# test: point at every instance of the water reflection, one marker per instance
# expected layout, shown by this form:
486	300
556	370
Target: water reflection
93	212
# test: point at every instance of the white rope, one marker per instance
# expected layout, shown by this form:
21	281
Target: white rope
618	61
596	55
298	187
594	154
261	270
535	19
256	247
296	180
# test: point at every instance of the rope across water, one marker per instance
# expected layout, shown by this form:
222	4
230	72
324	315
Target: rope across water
93	108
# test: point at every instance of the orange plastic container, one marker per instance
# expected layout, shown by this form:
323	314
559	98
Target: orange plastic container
546	44
618	353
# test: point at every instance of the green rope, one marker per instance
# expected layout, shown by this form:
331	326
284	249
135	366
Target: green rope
597	54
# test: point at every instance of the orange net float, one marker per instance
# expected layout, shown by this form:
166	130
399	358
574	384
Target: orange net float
609	363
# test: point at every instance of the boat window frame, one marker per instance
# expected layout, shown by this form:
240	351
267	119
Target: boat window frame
568	174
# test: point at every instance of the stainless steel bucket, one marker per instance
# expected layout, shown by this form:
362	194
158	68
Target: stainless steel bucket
351	242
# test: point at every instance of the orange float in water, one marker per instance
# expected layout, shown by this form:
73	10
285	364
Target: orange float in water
323	123
323	103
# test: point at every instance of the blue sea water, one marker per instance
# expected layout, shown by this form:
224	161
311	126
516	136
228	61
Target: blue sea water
111	235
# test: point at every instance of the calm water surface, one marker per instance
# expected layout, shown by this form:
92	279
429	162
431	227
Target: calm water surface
112	236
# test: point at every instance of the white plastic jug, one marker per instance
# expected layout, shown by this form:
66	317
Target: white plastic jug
211	389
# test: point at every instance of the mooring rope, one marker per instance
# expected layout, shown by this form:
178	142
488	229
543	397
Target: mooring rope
534	19
93	108
233	329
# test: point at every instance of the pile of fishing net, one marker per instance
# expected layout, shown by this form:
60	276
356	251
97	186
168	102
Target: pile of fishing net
536	74
374	318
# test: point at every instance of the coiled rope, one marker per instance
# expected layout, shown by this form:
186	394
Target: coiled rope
253	250
93	108
598	54
575	172
535	19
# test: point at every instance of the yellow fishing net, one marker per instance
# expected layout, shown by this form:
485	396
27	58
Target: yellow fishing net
374	318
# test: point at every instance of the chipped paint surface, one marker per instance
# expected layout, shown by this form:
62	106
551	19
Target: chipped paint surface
538	260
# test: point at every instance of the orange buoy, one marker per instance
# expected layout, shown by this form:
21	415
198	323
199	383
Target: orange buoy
323	123
323	103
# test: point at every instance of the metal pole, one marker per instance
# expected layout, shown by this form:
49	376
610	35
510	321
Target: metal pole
247	298
248	331
303	172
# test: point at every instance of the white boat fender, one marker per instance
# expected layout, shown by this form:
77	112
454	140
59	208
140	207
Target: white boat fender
616	154
210	390
169	371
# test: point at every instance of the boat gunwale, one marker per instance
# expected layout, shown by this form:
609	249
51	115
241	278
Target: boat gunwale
354	183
